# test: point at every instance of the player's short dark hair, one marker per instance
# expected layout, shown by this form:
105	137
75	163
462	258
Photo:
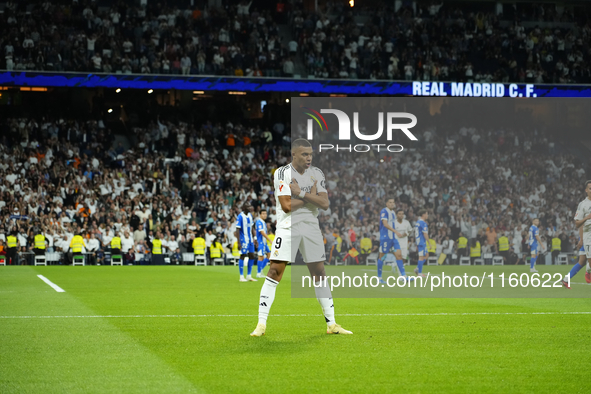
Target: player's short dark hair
421	212
587	184
390	198
400	210
300	142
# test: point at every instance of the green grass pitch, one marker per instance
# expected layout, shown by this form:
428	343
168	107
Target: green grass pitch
186	329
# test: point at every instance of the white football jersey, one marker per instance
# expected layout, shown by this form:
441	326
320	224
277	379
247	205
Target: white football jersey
281	181
583	210
309	212
404	227
282	178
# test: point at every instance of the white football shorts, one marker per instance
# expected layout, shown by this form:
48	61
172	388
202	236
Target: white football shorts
404	251
587	244
304	236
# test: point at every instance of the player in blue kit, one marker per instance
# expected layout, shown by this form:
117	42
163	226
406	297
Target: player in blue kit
422	239
535	243
262	247
387	240
244	235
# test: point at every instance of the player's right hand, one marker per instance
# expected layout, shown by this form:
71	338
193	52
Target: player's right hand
295	188
313	190
579	244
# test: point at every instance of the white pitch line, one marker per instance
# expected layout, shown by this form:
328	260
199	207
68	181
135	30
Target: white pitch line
300	315
50	283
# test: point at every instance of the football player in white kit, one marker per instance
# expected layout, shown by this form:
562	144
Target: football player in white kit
299	191
404	227
582	221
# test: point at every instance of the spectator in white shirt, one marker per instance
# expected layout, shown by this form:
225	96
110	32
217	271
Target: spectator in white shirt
209	237
127	46
139	234
293	47
127	243
93	246
186	64
107	237
173	246
97	62
127	247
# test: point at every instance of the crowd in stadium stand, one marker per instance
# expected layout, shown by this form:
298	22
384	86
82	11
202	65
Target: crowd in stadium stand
481	184
65	177
238	40
430	42
440	43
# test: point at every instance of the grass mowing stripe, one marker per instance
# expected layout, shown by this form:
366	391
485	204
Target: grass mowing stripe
74	356
50	283
298	315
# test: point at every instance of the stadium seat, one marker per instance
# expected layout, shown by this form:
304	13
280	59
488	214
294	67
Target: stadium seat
464	260
116	259
432	260
40	260
230	258
479	260
53	257
340	261
487	257
562	259
199	259
218	260
372	259
79	260
187	258
3	260
498	260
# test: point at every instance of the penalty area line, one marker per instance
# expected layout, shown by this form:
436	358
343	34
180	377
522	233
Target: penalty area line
50	283
298	315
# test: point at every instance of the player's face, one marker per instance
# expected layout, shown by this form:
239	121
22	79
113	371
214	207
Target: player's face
588	190
400	216
426	216
264	215
536	222
390	203
246	208
302	156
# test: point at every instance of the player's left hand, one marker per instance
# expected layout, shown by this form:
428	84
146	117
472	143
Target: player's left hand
295	188
313	191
